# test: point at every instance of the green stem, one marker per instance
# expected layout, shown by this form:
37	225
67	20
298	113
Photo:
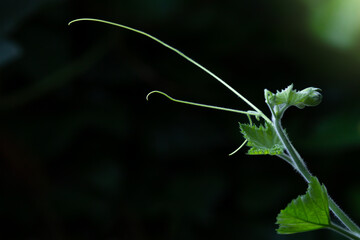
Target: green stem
286	157
300	166
182	55
343	231
341	215
296	159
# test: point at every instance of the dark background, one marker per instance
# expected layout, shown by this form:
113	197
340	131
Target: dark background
85	156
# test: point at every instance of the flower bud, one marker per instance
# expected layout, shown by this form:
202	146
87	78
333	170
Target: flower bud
313	96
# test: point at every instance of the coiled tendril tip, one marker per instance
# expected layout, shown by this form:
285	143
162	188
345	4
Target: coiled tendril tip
156	91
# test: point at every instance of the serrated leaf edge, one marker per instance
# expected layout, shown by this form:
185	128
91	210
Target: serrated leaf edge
324	199
275	150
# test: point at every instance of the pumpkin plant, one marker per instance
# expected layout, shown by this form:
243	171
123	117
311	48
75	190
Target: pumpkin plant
266	136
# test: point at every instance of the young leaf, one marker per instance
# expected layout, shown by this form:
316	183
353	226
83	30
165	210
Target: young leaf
262	140
288	97
307	212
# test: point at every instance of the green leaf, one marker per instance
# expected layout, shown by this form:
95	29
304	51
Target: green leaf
307	212
262	140
288	97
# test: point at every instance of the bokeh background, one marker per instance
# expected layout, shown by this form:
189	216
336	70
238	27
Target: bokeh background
85	156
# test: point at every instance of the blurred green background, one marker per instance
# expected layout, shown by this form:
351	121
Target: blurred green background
85	156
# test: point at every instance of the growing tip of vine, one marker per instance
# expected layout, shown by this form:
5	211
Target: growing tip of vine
147	96
81	19
72	21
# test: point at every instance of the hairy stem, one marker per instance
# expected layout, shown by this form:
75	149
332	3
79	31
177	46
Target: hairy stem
300	166
344	232
286	157
341	215
296	159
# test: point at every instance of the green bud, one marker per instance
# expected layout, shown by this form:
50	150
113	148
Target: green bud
282	100
312	96
269	96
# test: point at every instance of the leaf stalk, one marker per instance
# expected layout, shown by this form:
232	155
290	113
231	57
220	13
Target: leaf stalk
299	165
343	231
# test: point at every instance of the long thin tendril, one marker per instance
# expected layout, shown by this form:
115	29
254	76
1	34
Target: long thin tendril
248	113
203	105
243	144
182	55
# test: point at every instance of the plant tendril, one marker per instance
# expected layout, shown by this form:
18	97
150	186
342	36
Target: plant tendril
260	113
243	144
203	105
